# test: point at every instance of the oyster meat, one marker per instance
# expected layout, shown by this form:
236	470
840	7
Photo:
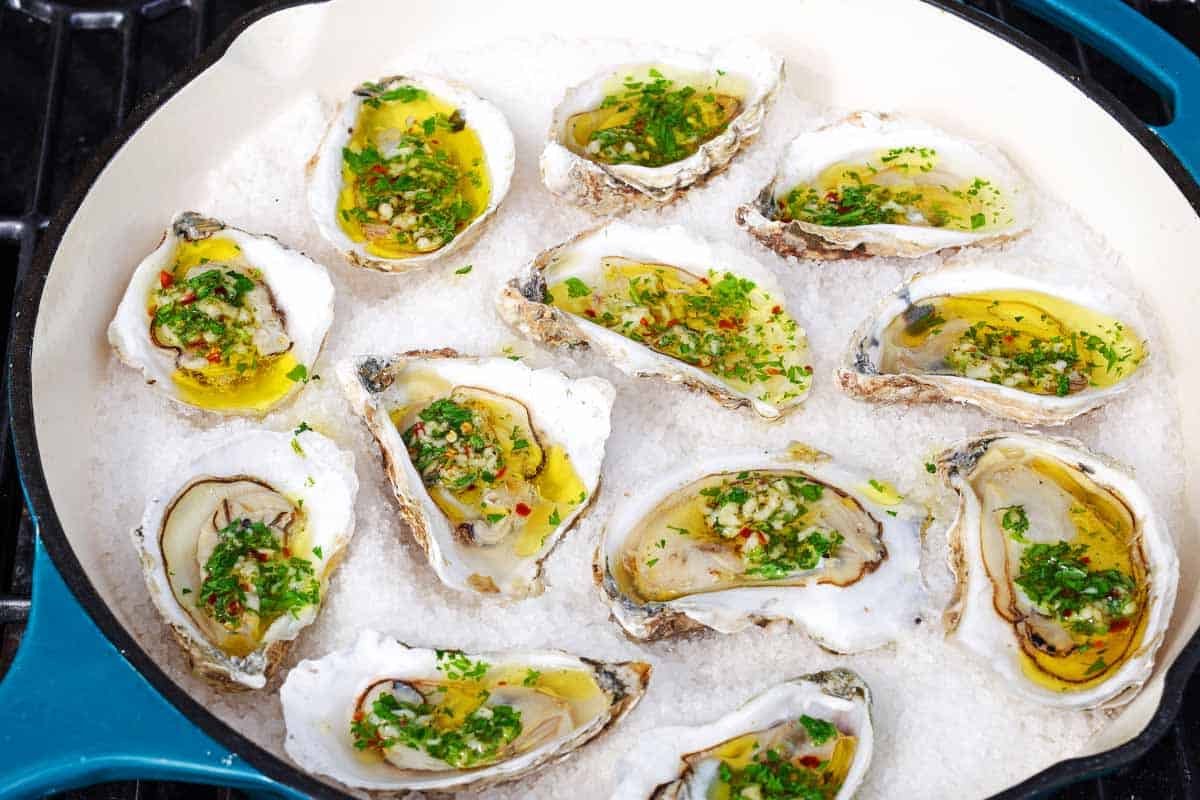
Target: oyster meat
382	716
639	135
662	303
887	185
492	462
1066	575
238	547
223	320
750	536
807	737
1015	347
410	170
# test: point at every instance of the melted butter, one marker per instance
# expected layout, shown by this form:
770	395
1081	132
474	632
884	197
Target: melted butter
1106	527
939	197
190	254
759	331
223	388
1026	316
557	488
463	147
567	684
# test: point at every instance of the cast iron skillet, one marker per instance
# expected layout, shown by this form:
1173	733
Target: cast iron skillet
127	729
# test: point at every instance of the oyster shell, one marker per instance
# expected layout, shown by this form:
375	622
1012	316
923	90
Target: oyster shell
221	319
559	702
596	159
753	536
1015	347
1066	574
707	317
225	540
887	185
819	724
393	131
491	462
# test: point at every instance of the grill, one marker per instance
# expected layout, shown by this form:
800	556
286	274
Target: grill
73	72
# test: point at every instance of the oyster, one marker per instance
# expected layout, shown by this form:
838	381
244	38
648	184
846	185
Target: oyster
1066	575
237	548
492	462
812	736
753	536
222	319
640	135
1015	347
662	303
887	185
363	715
410	170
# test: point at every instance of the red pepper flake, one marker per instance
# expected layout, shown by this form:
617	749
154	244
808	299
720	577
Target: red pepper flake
287	553
260	555
214	356
1068	613
832	197
744	533
1085	560
379	169
672	323
1009	338
358	716
812	762
646	322
187	299
1119	625
777	310
704	281
233	607
500	474
590	312
772	370
165	279
725	324
523	510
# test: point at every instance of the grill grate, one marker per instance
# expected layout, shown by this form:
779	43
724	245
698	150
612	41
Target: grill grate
71	75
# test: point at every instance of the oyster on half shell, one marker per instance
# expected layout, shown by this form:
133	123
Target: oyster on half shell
817	726
887	185
662	303
410	170
491	462
754	536
221	319
639	135
1015	347
1066	574
237	549
366	715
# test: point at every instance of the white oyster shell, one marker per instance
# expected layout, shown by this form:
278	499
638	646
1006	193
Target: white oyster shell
325	171
521	304
863	615
319	698
655	758
859	374
322	481
570	413
973	621
612	188
857	138
300	288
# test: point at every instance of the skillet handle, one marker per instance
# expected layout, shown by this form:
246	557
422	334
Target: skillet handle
74	712
1147	51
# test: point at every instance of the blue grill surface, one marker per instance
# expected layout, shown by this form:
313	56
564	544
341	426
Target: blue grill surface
71	72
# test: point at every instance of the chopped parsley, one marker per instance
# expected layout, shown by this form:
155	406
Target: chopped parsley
1057	578
819	731
458	667
298	374
531	678
451	446
464	270
771	776
1015	521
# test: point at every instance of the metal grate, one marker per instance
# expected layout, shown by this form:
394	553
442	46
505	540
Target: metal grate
71	73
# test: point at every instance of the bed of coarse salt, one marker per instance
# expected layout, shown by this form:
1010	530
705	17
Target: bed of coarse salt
938	711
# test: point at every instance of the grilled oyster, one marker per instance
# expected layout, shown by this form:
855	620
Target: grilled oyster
238	549
221	319
367	716
640	135
811	736
1066	575
662	303
752	536
410	170
492	462
886	185
1015	347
